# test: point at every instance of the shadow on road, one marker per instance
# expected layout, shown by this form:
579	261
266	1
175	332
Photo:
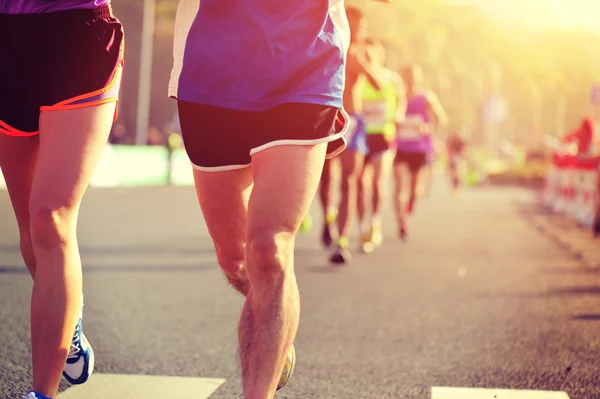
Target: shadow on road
590	317
569	270
142	268
128	249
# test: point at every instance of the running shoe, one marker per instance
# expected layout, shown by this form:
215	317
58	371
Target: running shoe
288	369
403	230
366	243
80	361
376	235
341	254
34	395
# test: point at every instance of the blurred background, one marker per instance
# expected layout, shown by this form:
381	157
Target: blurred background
515	75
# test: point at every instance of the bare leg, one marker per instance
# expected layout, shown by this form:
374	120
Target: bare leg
398	200
414	183
223	198
362	195
382	165
325	188
286	179
329	232
352	164
18	157
71	143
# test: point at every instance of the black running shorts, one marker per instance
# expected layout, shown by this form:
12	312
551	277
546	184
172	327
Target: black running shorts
377	143
219	139
413	160
57	61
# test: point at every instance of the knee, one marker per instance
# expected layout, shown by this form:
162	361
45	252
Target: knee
231	260
50	227
270	255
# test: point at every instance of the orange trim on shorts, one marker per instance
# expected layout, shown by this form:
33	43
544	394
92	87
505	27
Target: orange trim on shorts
11	131
70	103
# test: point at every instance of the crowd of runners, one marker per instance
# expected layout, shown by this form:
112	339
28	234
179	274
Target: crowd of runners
395	123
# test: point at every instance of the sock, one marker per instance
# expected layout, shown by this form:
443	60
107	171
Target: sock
81	308
37	395
343	242
331	215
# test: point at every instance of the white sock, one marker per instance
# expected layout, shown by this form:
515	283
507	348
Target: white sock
81	308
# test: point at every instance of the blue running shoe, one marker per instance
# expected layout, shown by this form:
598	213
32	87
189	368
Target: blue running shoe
34	395
80	361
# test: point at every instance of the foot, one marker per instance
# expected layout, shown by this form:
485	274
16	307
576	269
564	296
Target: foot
34	395
288	369
341	255
403	231
376	235
366	243
80	361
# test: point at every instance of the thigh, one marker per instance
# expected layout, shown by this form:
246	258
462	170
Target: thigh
71	143
18	156
223	198
285	181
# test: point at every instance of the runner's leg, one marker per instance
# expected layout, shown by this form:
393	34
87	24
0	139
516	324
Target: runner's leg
71	142
285	181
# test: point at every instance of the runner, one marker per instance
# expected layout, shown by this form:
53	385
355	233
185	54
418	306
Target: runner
424	115
59	94
259	88
358	72
381	110
455	148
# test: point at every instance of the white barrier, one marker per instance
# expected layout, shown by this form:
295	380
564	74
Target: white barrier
573	188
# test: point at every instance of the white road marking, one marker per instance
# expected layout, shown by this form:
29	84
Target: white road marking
481	393
121	386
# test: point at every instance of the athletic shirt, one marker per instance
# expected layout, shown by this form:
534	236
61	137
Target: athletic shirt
256	54
47	6
408	137
379	107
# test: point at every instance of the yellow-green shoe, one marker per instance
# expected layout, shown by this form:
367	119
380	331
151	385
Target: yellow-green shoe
288	369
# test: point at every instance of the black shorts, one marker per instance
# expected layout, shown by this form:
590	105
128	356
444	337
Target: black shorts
218	139
56	61
377	143
414	160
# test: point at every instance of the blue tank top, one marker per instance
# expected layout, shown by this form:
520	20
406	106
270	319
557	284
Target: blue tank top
46	6
255	54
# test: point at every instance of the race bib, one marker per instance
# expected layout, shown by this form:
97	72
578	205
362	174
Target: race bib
375	113
410	129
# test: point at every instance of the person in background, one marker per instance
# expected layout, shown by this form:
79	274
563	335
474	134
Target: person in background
455	146
424	116
584	137
382	109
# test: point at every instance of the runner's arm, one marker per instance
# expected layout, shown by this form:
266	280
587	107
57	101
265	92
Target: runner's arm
360	65
439	114
401	100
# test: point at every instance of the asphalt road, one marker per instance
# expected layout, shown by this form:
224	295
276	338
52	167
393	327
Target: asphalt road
477	298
